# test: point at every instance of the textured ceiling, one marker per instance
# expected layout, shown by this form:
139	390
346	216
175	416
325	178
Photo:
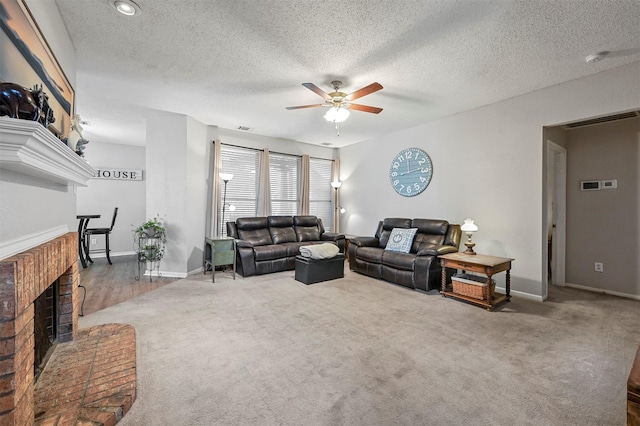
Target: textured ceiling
241	62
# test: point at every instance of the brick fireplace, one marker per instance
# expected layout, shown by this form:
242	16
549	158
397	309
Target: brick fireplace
23	277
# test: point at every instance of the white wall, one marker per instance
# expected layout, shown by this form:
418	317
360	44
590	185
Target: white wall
32	210
166	185
198	146
284	146
487	166
101	196
177	177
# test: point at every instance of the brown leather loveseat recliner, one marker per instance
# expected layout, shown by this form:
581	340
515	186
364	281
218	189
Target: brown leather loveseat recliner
271	244
419	268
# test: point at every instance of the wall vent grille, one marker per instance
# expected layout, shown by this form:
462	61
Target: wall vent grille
600	120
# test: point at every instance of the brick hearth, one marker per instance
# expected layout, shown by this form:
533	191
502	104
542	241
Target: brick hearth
90	378
90	381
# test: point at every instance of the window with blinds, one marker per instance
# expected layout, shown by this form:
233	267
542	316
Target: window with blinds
242	190
320	190
284	173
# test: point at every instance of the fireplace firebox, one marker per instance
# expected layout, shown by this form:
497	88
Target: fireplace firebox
24	277
45	327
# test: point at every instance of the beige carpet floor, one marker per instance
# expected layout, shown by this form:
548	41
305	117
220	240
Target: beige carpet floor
269	350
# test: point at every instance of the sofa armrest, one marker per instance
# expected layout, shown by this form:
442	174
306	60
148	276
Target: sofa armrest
364	241
243	244
437	251
337	239
447	249
331	236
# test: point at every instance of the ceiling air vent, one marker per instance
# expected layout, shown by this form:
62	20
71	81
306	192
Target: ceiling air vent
600	120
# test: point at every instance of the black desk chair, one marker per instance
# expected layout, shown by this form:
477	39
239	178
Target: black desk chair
89	232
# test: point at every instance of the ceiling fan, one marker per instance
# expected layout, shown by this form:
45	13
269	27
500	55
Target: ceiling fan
339	102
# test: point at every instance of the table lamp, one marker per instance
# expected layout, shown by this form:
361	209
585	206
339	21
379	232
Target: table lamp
469	228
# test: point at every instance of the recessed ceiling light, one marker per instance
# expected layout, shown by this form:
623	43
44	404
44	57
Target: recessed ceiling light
596	57
126	7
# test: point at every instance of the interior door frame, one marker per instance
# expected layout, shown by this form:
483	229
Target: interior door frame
557	185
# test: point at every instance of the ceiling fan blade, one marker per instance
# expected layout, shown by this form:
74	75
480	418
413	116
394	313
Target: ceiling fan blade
365	108
317	90
305	106
373	87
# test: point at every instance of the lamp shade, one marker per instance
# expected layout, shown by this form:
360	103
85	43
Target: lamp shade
469	226
336	184
226	176
337	114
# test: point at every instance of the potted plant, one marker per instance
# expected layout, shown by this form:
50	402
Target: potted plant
150	239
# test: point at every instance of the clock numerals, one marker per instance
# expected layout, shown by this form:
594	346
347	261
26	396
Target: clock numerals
412	178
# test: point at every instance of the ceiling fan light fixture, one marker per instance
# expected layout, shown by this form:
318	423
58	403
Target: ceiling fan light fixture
337	114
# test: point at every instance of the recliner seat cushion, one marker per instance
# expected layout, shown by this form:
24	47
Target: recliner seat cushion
370	254
397	260
270	252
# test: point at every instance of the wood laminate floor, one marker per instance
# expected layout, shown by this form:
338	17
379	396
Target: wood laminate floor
108	285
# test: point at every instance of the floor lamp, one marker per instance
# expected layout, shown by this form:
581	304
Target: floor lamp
226	177
336	184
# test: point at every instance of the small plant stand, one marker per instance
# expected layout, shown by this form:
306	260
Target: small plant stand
150	250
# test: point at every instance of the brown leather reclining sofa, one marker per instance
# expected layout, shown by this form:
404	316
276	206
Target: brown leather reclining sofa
419	269
271	244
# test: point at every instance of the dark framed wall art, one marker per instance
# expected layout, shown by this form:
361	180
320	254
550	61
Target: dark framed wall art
27	60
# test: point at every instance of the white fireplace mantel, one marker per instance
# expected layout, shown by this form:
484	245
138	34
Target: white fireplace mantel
27	147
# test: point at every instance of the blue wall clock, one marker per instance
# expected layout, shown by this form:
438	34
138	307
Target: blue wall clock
410	172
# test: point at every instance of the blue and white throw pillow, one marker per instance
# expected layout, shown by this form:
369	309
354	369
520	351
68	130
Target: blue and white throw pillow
401	239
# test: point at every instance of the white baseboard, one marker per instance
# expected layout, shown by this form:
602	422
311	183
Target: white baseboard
26	242
170	274
521	294
195	271
154	273
599	290
113	254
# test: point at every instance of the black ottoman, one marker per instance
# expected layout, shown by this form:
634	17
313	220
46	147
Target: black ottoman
310	271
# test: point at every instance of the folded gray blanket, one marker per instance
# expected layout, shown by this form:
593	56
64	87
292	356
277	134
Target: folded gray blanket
319	251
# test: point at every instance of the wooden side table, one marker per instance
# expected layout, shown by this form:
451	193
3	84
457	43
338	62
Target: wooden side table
481	263
219	252
347	241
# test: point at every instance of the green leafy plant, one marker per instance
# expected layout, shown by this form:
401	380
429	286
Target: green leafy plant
151	227
150	239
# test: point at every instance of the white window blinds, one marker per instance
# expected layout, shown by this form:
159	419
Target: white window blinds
320	190
242	190
284	172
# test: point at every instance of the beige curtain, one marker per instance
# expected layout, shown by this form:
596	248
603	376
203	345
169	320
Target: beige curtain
304	188
264	187
214	229
335	176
